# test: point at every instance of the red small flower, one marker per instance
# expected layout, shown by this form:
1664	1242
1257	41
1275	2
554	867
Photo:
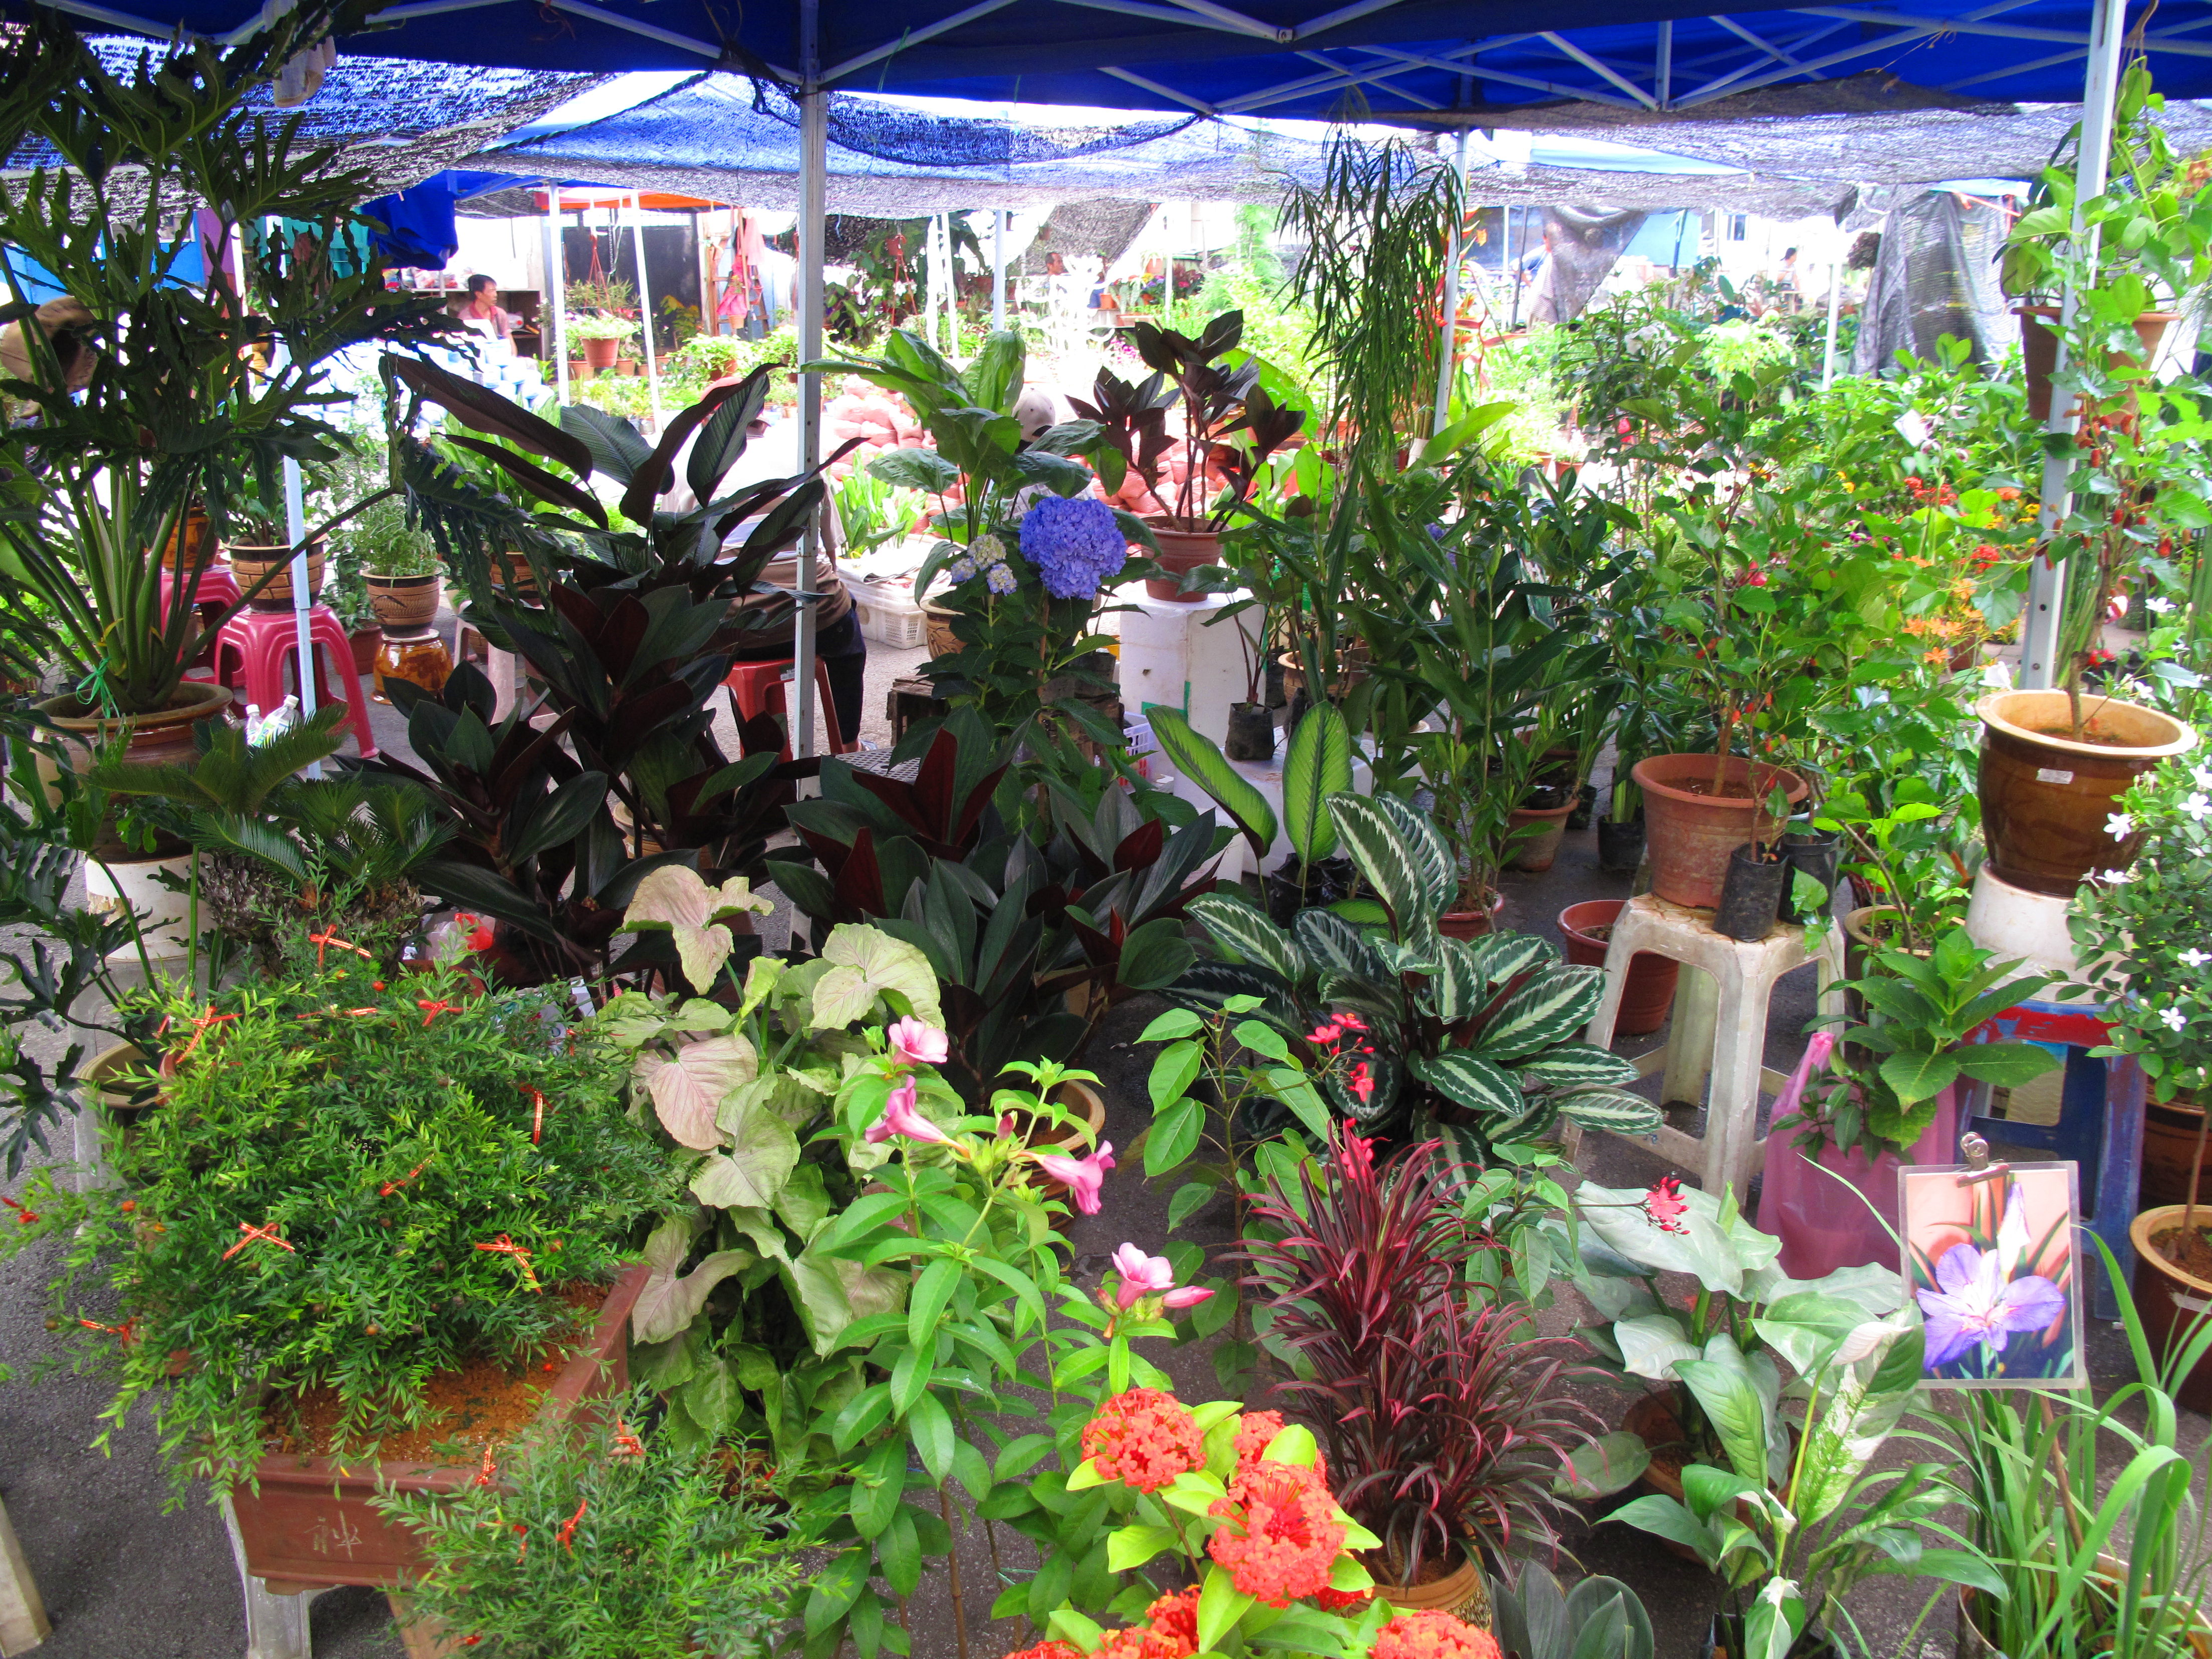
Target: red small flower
1754	579
567	1537
26	1217
1282	1538
1255	1429
430	1009
1337	1600
1351	1022
2098	658
1326	1034
1664	1205
1175	1618
1362	1082
1049	1650
1144	1438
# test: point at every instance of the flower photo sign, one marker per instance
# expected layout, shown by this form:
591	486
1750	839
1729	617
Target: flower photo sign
1993	1263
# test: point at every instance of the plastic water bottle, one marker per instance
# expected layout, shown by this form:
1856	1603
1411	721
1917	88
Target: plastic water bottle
279	721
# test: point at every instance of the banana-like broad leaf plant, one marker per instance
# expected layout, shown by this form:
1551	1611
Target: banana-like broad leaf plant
1475	1039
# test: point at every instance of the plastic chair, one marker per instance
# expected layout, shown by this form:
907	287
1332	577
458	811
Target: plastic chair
254	646
1719	1030
756	688
216	591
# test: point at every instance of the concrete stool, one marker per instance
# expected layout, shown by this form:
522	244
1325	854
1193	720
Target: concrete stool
254	646
756	688
22	1615
1719	1028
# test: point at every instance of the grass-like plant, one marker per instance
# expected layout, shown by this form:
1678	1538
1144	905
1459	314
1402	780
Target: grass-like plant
343	1187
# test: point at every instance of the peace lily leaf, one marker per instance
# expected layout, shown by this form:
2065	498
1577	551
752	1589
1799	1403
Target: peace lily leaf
687	1088
1702	1249
674	897
864	961
1652	1345
1600	1468
1733	1403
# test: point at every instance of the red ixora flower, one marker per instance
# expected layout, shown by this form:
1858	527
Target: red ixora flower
1664	1205
1175	1617
2098	658
1282	1537
1432	1635
1049	1650
1144	1438
1255	1429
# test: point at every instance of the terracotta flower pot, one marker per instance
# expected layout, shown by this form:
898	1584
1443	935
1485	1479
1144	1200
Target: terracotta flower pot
1536	853
2038	350
365	642
2047	800
1087	1104
2170	1299
189	543
1691	833
1472	924
161	738
1648	996
311	1522
402	603
1182	551
1460	1591
250	564
600	354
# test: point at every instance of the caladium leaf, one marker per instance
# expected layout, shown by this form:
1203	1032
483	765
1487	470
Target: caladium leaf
676	899
864	961
669	1303
762	1153
687	1087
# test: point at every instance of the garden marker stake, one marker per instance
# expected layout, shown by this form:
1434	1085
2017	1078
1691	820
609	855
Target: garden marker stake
505	1246
392	1187
330	936
266	1232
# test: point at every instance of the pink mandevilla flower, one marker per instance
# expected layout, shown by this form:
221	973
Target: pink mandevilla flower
902	1117
1145	1275
919	1044
1082	1176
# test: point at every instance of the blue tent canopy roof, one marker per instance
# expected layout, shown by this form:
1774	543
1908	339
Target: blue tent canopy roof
1492	60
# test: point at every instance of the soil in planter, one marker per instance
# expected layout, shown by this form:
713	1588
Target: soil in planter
2065	733
2190	1251
480	1406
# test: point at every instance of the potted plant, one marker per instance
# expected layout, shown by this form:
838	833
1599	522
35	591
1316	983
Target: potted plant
614	1538
242	1276
599	335
1230	426
2139	935
1445	1423
1891	1098
399	567
1534	1619
347	595
261	555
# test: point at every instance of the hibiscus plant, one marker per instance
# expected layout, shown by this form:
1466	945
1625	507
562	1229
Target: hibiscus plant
1720	1355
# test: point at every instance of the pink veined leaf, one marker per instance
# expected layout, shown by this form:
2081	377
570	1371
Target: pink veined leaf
687	1088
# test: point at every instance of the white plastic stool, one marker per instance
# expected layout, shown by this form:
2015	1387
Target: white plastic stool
1719	1030
22	1615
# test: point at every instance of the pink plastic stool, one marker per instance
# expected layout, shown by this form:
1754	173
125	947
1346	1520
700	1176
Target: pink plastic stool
215	592
255	644
756	688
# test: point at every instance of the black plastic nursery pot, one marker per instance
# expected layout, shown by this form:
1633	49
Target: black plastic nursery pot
1751	894
1816	852
1326	883
1585	808
1619	846
1251	732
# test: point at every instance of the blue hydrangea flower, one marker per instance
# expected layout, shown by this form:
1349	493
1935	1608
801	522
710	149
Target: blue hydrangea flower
998	579
961	569
1075	545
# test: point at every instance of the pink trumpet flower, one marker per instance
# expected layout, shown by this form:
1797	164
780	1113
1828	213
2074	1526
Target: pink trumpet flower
1082	1176
902	1117
919	1044
1142	1275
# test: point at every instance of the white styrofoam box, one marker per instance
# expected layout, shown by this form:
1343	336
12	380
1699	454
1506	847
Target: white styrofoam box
1169	654
888	614
166	925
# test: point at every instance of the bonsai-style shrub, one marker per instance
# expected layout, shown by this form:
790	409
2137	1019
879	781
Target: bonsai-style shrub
611	1541
341	1189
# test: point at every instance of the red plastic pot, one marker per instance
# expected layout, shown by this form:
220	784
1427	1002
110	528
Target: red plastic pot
1691	833
1648	996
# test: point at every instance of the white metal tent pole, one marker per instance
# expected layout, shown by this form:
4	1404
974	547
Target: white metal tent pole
1835	304
998	268
295	532
2046	578
555	343
645	305
1447	336
813	175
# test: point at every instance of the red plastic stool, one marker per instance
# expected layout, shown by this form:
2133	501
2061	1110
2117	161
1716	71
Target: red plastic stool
756	688
216	591
255	645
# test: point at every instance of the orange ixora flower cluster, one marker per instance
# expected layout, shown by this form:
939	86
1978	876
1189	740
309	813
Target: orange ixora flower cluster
1432	1635
1282	1537
1171	1632
1255	1429
1144	1438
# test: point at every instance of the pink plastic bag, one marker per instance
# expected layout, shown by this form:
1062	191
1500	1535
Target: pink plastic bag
1822	1227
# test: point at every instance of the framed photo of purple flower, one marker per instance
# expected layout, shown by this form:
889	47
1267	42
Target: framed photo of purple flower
1994	1264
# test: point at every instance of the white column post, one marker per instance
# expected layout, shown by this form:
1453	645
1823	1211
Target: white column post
556	284
645	305
295	532
813	171
1835	305
1662	67
23	1624
2039	667
998	268
1447	336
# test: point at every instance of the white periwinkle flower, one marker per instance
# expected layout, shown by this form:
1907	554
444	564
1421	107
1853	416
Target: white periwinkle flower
2157	607
2118	825
2193	957
2115	878
2199	806
2174	1018
2201	776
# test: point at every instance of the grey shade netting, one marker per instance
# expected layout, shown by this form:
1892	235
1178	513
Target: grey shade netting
1935	274
1584	243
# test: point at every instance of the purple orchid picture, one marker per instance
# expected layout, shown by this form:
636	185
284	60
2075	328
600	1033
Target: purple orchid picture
1988	1300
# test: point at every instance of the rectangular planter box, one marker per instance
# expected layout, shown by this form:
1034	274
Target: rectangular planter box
311	1526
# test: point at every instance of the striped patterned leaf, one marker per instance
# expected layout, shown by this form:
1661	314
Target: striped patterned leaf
1609	1108
1318	764
1549	1009
1380	1005
1502	958
1384	858
1244	934
1578	1066
1466	1078
1398	958
1205	986
1381	1101
1439	871
1538	1122
1457	991
1333	945
1199	758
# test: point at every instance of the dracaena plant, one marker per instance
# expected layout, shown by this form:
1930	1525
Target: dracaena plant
1446	1424
1472	1040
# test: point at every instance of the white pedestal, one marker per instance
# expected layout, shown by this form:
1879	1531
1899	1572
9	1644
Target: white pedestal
1172	655
2017	924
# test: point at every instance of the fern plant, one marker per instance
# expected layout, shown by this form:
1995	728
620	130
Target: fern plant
1473	1039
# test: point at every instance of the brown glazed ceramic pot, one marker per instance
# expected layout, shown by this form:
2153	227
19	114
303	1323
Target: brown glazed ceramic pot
250	564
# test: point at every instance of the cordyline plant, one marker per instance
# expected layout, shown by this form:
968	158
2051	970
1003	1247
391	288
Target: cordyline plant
1446	1426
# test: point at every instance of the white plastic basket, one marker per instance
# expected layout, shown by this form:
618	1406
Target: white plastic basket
888	615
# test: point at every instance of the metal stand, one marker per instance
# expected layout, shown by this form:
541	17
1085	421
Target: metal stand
813	185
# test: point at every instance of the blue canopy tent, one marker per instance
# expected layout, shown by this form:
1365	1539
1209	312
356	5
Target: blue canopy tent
1429	61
